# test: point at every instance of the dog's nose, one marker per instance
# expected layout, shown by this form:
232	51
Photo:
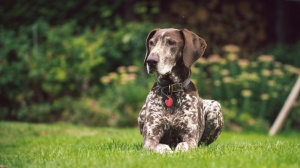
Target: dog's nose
152	60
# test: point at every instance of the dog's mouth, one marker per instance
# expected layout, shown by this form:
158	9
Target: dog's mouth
160	67
156	70
151	70
152	62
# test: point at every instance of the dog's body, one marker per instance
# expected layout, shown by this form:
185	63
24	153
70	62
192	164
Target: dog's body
174	115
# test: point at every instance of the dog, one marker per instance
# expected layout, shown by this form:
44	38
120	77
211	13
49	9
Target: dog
174	115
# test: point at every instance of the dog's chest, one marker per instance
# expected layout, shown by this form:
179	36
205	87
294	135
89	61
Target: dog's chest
183	113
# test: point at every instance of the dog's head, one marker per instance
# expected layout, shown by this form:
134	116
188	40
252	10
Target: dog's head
165	47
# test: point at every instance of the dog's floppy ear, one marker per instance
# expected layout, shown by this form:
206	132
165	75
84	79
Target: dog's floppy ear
150	35
194	47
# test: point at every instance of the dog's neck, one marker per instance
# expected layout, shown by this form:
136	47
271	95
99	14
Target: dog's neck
178	74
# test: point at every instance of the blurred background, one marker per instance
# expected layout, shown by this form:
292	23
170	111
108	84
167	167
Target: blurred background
82	61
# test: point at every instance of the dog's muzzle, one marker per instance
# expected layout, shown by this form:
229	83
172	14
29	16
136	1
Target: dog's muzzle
152	63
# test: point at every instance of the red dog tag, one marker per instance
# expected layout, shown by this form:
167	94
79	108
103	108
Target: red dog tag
169	102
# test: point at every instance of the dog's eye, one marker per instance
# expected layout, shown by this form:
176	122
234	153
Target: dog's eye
151	43
170	42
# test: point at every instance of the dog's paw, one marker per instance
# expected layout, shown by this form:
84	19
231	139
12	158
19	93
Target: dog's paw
182	147
162	148
185	146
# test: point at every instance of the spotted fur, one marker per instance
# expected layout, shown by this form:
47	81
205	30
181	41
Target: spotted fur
190	121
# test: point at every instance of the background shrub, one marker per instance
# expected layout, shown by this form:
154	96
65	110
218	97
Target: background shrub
255	89
94	76
42	64
286	53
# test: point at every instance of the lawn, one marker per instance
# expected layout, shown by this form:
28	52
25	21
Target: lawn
63	145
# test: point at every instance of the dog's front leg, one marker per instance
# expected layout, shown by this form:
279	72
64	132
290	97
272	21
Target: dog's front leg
157	147
192	133
190	139
152	133
186	145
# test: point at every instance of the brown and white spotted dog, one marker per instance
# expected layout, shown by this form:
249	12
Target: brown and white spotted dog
174	115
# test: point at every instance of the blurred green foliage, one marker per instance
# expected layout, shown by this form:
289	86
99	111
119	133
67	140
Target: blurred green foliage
44	66
252	92
94	76
286	53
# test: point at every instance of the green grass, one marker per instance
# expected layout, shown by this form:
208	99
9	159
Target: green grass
61	145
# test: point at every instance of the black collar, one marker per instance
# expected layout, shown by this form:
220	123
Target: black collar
176	87
167	91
